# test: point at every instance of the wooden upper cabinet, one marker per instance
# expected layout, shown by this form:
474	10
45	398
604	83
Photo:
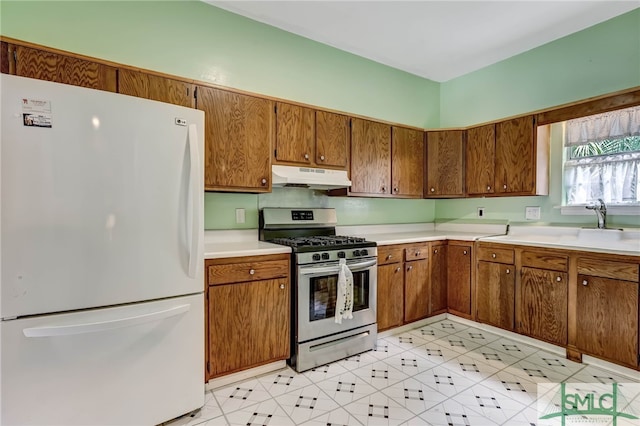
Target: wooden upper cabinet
239	131
295	133
407	162
332	140
50	66
515	159
156	88
370	157
480	159
445	164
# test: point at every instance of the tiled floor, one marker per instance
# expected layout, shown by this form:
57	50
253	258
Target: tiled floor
445	373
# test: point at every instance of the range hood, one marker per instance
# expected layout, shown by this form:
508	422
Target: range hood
309	177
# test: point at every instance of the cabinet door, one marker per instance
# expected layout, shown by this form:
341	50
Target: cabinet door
438	279
370	157
390	295
416	290
480	159
248	325
607	314
156	88
459	280
496	294
295	132
445	150
43	65
542	311
238	134
332	140
407	162
515	161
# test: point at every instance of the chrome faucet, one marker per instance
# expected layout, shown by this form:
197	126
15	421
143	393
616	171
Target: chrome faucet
601	211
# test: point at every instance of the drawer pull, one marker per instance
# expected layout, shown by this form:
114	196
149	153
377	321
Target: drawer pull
417	253
252	271
558	279
282	286
585	282
493	255
389	257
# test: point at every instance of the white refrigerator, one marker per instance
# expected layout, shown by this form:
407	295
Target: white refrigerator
101	265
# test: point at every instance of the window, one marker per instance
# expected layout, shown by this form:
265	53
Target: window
602	159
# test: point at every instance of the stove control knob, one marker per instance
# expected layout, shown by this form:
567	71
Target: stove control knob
325	256
341	255
356	252
364	252
316	256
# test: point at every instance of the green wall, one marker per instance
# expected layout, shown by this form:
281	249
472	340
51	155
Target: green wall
598	60
196	40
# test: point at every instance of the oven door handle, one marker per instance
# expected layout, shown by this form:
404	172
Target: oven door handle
354	267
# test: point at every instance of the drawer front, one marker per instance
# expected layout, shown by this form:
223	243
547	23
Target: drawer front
608	269
541	260
247	271
389	254
415	252
499	255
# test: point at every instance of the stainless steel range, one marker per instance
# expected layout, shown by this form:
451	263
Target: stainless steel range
316	337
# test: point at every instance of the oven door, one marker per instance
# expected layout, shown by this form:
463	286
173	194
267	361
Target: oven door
317	292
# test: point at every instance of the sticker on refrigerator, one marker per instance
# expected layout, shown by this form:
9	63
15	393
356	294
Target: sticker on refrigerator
36	113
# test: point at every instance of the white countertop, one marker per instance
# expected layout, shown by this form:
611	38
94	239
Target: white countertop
237	243
624	242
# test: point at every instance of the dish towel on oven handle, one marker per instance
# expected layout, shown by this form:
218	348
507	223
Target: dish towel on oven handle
344	299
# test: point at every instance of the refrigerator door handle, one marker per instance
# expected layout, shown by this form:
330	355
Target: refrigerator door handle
94	327
194	198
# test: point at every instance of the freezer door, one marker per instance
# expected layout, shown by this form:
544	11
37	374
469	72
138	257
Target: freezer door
140	364
105	206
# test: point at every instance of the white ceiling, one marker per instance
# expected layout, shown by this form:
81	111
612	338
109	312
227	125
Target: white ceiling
438	40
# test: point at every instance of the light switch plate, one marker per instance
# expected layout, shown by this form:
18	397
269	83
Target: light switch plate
239	215
532	213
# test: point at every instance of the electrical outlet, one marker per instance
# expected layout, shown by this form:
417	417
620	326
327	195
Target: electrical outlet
239	215
480	211
532	213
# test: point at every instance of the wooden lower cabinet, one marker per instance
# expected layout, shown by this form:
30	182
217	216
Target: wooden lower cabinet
459	279
542	311
390	299
607	311
248	322
416	290
438	278
496	294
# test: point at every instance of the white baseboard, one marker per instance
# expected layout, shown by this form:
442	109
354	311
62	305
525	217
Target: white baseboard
245	374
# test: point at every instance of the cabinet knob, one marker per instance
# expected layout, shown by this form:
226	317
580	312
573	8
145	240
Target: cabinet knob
433	190
252	271
389	257
306	156
417	253
384	189
395	189
282	286
322	158
488	188
508	271
398	269
435	251
263	181
464	252
504	186
493	255
585	282
409	268
558	279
